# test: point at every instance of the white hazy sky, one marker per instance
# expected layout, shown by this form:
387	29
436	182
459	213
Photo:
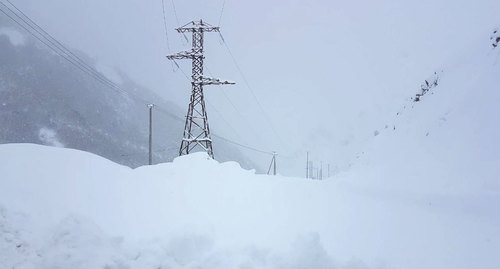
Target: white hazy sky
327	73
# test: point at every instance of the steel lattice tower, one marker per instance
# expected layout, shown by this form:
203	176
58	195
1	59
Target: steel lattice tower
196	129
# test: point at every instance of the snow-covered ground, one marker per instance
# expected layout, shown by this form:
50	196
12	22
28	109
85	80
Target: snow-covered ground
64	208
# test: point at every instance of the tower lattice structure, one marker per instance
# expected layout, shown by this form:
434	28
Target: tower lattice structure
196	130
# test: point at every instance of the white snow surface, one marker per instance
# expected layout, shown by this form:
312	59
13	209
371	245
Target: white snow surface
425	194
64	208
81	211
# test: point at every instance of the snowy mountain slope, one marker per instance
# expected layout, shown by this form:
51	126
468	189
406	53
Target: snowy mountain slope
451	133
46	100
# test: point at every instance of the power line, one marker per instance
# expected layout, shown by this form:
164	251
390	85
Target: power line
170	114
179	67
69	59
234	106
214	134
227	97
165	24
166	30
52	40
221	12
241	145
223	119
61	50
142	153
175	13
251	89
178	24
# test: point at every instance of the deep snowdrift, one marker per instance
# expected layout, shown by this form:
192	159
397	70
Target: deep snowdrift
64	208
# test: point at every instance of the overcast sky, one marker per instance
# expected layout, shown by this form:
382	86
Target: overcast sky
327	73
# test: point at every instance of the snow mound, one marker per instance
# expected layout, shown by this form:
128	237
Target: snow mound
83	211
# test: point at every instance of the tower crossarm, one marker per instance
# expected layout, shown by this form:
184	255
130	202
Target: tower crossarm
184	55
203	80
197	26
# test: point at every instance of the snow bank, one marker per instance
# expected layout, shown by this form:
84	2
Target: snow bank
86	212
83	211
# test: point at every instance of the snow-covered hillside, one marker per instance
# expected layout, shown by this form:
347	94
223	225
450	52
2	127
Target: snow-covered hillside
448	140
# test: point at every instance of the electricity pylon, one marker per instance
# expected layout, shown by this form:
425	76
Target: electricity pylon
196	130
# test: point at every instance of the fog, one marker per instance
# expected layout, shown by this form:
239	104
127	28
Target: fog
325	74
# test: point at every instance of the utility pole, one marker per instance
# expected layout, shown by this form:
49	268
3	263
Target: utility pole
196	129
273	164
274	157
307	165
321	171
311	171
150	106
328	170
